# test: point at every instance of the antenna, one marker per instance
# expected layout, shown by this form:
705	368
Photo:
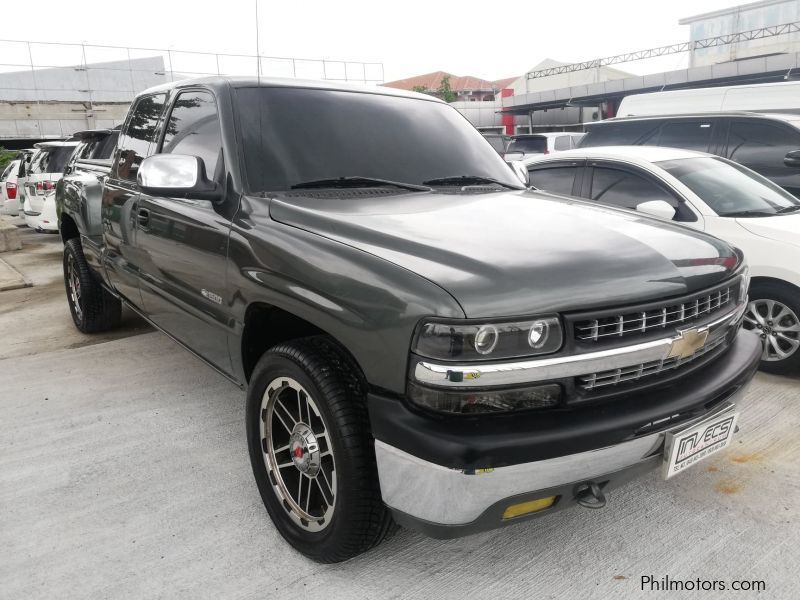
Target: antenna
258	50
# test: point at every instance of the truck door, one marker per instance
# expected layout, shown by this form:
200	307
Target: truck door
120	196
184	242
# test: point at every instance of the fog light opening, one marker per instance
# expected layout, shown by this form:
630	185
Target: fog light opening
527	508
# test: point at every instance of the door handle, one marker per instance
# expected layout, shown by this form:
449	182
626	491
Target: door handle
143	216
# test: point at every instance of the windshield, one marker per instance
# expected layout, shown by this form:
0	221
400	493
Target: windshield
293	136
53	160
528	145
730	189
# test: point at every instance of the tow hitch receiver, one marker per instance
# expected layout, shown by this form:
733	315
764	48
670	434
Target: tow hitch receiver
589	495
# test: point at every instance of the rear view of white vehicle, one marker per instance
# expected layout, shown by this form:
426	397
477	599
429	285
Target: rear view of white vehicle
40	188
9	201
523	146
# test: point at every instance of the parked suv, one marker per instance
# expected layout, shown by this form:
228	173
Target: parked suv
767	143
40	187
423	339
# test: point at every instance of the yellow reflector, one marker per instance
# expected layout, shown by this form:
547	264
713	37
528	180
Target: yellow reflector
525	508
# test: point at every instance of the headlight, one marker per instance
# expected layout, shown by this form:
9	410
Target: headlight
460	340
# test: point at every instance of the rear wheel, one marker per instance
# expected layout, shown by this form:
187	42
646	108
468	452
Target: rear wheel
312	452
774	313
93	309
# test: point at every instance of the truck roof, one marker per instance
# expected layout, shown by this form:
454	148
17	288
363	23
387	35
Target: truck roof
220	81
778	116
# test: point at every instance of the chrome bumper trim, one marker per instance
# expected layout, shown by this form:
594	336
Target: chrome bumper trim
528	371
444	496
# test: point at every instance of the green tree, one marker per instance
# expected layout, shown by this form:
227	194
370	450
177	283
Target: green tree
445	92
6	156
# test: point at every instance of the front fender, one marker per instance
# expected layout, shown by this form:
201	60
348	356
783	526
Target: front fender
369	305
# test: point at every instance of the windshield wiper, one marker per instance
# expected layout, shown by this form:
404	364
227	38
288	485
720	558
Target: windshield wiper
788	209
749	213
358	182
468	180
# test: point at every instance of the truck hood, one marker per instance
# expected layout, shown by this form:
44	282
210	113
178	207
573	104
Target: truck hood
519	253
782	228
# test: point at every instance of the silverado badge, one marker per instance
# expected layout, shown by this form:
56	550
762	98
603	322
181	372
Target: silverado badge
688	342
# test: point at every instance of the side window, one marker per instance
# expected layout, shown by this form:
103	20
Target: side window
139	131
193	129
626	190
562	142
754	143
105	148
558	180
690	135
619	134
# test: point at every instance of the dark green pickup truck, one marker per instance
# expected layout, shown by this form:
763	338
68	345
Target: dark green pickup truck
423	339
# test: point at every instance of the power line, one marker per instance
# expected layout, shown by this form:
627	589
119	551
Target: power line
720	40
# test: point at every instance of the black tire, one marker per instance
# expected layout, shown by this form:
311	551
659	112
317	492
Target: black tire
790	298
359	520
93	309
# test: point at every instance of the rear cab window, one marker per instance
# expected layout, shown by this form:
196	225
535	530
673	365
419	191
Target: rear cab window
528	145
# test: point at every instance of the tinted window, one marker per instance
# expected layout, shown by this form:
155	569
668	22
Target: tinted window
626	190
562	143
134	145
618	134
193	129
52	160
558	180
105	147
730	190
691	135
754	143
291	136
7	170
528	145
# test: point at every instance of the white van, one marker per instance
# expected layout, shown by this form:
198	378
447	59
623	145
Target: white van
759	97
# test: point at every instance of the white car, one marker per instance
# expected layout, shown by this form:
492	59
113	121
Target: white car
708	193
46	169
9	198
523	146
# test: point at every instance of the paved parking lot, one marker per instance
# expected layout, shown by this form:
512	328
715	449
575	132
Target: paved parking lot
124	474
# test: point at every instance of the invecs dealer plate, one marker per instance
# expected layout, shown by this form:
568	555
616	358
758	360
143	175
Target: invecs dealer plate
688	447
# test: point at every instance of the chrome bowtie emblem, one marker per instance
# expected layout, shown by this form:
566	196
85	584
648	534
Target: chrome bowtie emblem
689	342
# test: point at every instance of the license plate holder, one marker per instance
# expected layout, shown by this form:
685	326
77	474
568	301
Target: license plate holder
683	449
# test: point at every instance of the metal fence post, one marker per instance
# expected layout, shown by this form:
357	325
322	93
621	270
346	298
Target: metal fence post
130	72
33	74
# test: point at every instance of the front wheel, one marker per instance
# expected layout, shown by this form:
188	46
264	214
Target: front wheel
311	450
774	313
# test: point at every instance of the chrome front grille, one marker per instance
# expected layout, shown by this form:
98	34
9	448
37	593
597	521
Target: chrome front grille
658	317
647	369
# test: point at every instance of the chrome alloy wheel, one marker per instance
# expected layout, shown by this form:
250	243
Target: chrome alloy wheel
74	284
297	453
778	326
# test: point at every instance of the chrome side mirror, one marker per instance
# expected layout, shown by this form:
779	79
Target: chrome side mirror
657	208
176	175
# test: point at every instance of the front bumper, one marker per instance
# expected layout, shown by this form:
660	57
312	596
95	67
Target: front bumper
451	477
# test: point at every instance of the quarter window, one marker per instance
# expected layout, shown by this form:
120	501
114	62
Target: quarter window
562	143
134	143
193	129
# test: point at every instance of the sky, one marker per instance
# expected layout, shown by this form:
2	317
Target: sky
487	39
